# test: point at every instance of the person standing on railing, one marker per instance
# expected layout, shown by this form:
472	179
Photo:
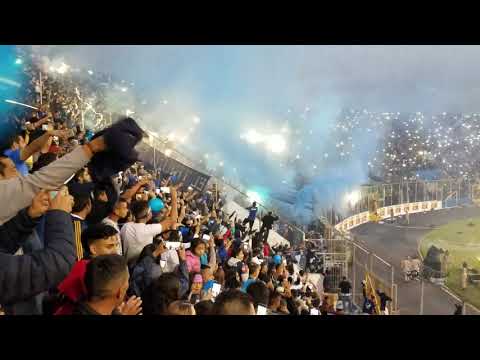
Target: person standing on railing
252	214
267	224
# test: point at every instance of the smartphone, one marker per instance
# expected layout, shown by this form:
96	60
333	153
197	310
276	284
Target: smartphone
206	237
45	127
314	312
216	289
157	191
261	310
172	245
165	190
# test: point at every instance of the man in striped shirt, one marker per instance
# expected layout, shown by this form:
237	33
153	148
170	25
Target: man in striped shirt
81	208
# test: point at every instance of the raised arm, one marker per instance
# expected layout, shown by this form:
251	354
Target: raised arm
17	193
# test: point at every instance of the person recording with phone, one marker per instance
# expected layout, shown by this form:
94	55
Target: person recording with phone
156	259
36	272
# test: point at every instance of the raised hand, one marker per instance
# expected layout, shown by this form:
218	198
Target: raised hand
40	205
62	201
132	307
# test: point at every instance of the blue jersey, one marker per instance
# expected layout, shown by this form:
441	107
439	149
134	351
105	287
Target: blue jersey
252	212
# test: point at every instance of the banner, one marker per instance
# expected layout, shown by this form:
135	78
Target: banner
169	166
384	213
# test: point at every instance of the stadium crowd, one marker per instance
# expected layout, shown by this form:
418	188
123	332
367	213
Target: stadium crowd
413	146
87	229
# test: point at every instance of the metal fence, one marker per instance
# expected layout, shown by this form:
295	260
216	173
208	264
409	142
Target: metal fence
364	264
452	192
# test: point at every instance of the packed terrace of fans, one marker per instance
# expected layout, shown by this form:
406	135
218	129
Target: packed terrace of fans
87	230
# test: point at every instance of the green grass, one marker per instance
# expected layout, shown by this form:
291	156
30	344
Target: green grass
463	244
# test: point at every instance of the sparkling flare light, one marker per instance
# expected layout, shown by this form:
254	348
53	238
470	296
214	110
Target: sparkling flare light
353	197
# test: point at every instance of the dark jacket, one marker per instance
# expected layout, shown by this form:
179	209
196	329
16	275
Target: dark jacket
27	275
383	300
268	220
83	309
16	231
148	268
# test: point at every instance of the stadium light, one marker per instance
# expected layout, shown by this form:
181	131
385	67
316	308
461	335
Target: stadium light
276	143
254	196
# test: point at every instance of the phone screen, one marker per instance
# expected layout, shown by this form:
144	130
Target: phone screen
165	190
216	289
206	237
261	310
172	245
313	311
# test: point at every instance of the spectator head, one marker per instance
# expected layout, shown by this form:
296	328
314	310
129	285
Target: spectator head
279	269
160	293
120	210
180	307
141	211
220	276
344	278
82	204
197	283
17	142
233	302
207	273
83	176
283	308
259	293
100	239
254	203
232	279
274	301
106	279
254	270
7	169
101	195
204	307
238	253
198	247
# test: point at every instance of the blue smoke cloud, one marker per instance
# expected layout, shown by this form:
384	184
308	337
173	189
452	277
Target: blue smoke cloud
236	88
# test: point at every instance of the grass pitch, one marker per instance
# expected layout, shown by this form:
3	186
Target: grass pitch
462	240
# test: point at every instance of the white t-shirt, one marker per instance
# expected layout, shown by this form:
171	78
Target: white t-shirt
136	236
108	221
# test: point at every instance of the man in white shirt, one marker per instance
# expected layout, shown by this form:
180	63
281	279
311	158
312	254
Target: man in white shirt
120	211
135	236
